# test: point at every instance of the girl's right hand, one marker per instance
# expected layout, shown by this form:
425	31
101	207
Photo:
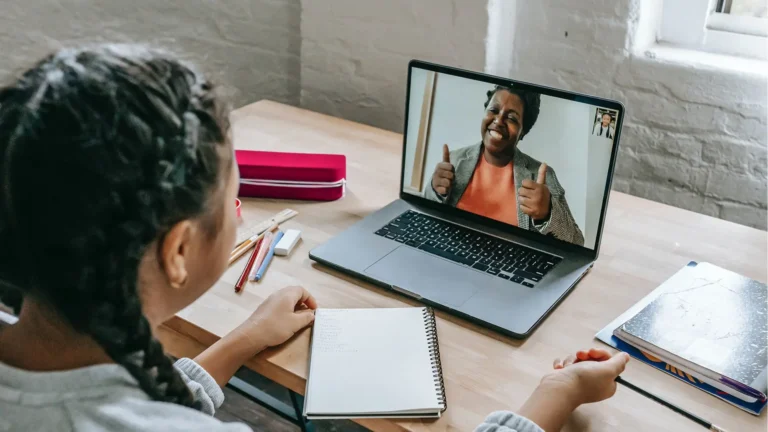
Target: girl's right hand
278	318
275	321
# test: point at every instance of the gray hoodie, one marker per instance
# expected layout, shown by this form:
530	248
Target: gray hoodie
108	398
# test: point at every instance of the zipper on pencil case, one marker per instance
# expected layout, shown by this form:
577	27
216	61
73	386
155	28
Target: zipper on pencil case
294	184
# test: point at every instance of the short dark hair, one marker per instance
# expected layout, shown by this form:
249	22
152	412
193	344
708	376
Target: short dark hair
531	104
606	114
124	142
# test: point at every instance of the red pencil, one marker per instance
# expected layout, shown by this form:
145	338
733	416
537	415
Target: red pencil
248	266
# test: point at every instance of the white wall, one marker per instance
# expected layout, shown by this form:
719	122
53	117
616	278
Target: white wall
695	132
598	160
695	135
250	47
355	53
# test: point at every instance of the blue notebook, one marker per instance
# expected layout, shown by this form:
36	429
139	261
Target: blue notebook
705	326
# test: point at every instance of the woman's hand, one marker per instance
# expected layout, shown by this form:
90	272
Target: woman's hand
281	315
589	376
534	198
277	319
442	178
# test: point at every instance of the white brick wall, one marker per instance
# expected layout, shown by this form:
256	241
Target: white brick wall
250	46
694	137
355	52
695	134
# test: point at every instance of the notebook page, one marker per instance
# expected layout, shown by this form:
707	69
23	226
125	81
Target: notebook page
370	361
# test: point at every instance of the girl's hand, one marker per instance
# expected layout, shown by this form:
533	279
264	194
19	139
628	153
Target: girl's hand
589	376
281	316
277	319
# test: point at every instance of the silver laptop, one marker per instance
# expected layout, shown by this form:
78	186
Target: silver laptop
504	190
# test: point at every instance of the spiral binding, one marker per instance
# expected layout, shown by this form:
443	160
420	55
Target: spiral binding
434	353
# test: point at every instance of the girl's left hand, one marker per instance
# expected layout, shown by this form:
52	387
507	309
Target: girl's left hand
590	375
281	316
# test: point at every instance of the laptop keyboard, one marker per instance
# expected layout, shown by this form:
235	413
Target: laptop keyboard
506	260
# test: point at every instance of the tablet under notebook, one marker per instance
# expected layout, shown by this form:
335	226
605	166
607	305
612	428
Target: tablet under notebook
374	363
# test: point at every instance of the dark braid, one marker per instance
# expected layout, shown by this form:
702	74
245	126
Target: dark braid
531	104
102	151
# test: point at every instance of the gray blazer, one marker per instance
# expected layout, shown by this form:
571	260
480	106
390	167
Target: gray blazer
560	223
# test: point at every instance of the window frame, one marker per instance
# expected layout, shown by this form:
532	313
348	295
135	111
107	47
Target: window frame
696	24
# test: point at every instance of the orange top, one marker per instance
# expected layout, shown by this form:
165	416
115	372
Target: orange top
491	192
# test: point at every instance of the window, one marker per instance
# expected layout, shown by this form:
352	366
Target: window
735	27
753	8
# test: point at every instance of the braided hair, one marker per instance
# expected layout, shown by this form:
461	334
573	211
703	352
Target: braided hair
531	104
119	143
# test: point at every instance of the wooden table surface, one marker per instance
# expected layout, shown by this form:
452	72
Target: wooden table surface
643	244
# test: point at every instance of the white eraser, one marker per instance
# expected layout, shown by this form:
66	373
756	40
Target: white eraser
286	244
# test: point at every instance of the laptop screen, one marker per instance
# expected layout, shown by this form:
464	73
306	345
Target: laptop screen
536	161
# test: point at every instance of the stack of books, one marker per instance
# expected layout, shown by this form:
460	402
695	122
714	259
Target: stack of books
705	326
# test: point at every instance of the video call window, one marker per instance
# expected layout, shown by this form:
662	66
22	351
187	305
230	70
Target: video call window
534	161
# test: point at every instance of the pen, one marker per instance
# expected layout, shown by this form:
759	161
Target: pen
248	266
263	249
268	259
674	408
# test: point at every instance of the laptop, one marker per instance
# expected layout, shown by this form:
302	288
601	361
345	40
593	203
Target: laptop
504	187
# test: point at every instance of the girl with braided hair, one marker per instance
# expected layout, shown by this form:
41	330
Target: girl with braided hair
116	184
128	148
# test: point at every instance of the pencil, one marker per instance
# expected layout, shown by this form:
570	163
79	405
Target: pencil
248	266
247	243
270	255
244	245
274	220
690	416
242	249
263	249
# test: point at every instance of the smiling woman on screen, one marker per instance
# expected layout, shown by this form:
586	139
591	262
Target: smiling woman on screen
505	184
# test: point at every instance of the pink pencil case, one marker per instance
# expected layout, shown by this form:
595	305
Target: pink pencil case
298	176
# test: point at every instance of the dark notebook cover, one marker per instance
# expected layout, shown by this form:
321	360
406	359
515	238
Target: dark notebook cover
742	299
712	318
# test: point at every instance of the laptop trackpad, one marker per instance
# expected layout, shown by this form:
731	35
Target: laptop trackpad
432	278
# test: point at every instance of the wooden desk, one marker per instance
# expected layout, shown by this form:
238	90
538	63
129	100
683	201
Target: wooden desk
643	244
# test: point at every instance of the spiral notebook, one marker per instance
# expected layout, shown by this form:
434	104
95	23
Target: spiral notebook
374	363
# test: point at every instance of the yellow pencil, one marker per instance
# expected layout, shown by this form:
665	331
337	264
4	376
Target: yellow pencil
248	244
